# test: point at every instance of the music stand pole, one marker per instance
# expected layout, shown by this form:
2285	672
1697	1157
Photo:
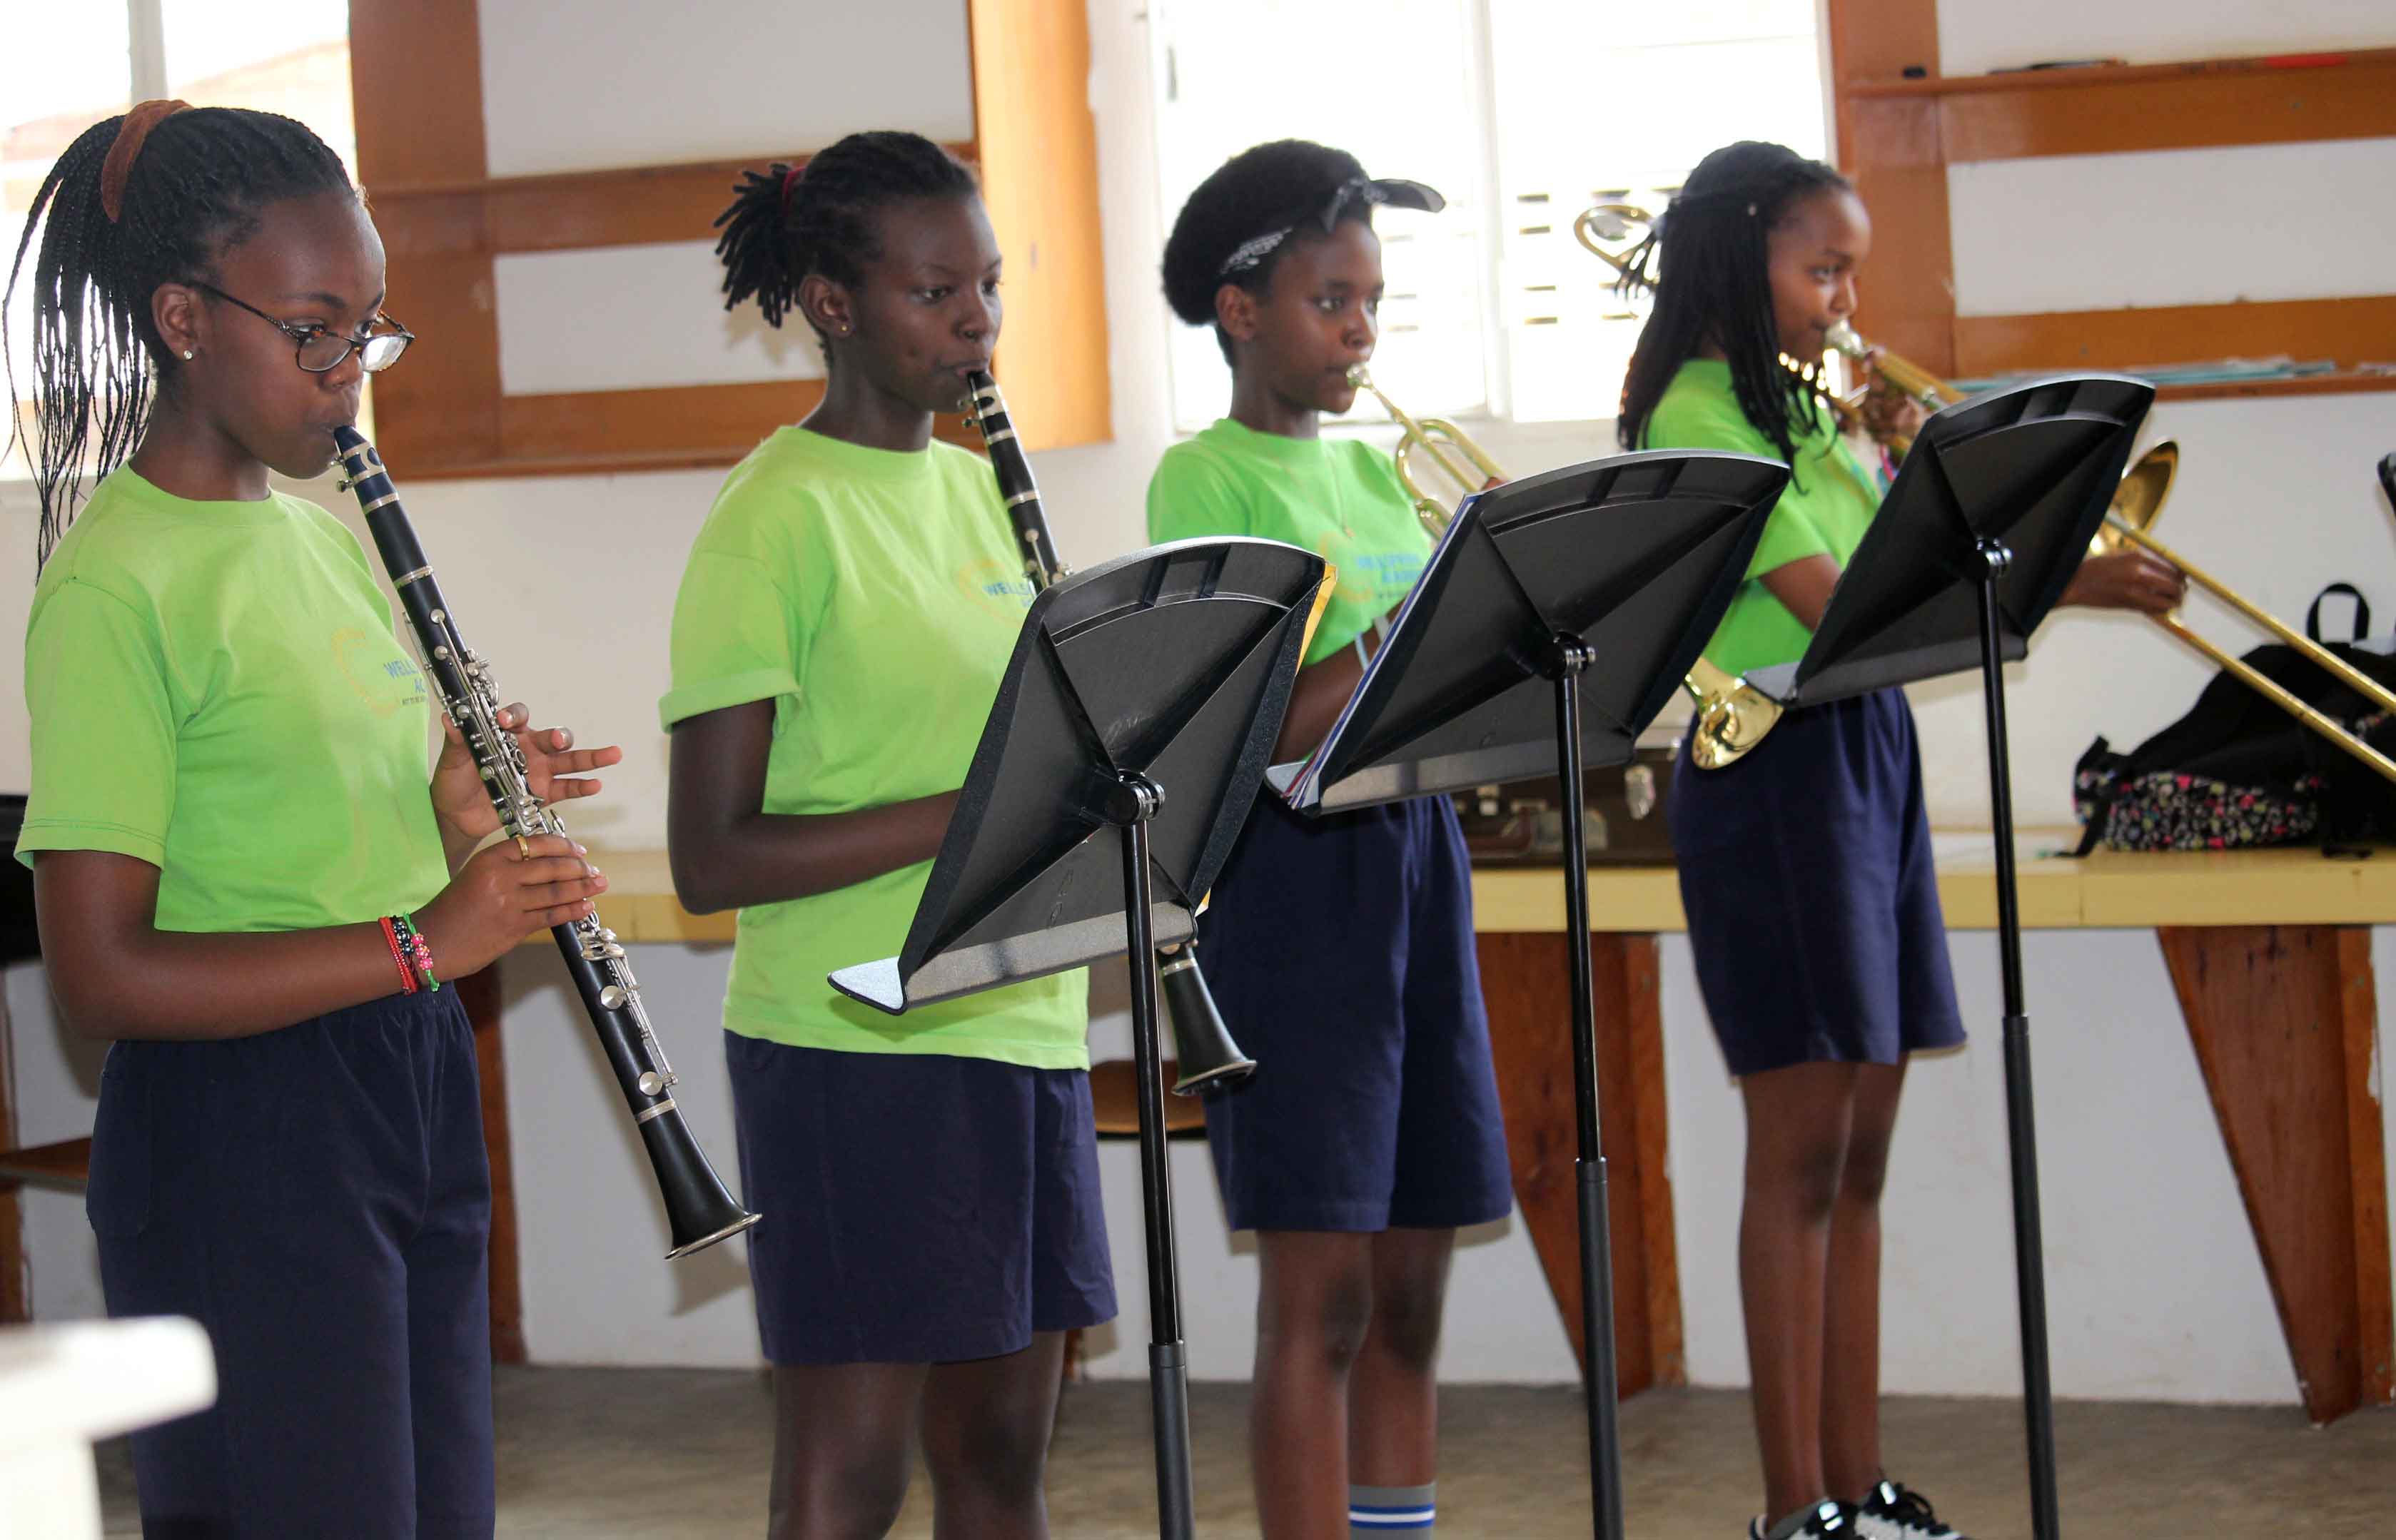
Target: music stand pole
1168	1368
2030	1258
1568	661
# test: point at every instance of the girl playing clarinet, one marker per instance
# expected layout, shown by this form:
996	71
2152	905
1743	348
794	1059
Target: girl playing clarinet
244	877
848	608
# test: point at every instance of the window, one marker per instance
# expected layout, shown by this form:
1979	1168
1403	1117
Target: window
1524	113
68	66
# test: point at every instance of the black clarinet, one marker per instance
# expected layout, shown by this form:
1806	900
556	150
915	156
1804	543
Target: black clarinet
700	1209
1207	1058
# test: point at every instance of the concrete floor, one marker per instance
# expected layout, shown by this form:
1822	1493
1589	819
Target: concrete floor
586	1453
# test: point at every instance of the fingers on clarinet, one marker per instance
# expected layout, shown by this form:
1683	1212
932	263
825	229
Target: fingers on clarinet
565	914
512	715
551	846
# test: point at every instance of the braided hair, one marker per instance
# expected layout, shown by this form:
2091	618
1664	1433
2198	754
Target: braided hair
789	222
1714	285
1255	191
165	211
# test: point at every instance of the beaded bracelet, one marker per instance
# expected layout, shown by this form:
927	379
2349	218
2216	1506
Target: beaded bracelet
418	951
399	957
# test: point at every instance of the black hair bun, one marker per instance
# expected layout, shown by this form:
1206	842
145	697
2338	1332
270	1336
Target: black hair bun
1255	191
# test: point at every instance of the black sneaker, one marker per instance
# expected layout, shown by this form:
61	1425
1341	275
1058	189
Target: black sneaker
1894	1512
1835	1521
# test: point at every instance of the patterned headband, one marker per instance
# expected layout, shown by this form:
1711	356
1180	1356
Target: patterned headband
1395	191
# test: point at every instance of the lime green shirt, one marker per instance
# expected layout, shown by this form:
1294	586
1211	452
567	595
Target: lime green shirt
1338	497
1828	506
873	597
216	689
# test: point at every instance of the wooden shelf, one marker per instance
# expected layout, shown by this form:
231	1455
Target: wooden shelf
2276	65
2303	385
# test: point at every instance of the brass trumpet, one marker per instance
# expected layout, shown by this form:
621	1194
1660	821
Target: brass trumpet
1732	715
1435	437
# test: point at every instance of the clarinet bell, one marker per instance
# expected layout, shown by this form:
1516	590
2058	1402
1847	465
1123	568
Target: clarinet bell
700	1210
1209	1061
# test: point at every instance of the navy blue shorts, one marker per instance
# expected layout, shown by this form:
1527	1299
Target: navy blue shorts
1340	951
1813	903
318	1198
921	1208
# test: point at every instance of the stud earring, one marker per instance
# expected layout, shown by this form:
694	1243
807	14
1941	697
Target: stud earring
189	354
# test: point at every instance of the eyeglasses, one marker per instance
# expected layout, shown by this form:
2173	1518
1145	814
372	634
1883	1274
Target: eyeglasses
322	350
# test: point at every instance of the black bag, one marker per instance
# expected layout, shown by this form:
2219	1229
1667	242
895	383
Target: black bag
2238	771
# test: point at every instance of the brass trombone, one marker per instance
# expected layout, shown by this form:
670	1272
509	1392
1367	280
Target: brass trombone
1602	225
2137	504
1732	715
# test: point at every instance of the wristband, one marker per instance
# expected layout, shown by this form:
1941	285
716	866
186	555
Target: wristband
415	952
399	956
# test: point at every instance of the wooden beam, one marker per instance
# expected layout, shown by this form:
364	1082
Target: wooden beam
482	996
1892	149
2283	1020
2350	331
1039	152
2170	107
1525	981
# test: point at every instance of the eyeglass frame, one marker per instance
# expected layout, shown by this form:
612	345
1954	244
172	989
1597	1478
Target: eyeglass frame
301	334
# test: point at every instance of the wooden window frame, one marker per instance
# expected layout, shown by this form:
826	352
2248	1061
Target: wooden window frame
445	220
1897	134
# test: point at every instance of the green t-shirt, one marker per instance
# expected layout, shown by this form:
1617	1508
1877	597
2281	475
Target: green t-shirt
1338	497
873	597
1829	505
216	688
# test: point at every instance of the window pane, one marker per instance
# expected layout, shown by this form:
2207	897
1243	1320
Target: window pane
1610	101
290	56
62	69
1394	83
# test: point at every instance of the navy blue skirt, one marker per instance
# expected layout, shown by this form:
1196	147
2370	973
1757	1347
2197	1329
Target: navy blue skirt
1813	903
318	1198
920	1208
1340	952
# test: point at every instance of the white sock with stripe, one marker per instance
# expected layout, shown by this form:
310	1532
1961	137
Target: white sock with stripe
1393	1510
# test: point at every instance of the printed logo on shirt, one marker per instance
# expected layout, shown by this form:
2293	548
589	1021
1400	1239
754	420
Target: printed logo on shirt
1002	588
1376	577
386	679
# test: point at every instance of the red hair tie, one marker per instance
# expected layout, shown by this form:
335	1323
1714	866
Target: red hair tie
790	176
132	132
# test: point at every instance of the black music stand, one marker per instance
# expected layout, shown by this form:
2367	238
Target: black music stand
1143	695
1555	619
1985	523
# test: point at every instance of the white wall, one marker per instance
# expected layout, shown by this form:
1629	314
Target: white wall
590	86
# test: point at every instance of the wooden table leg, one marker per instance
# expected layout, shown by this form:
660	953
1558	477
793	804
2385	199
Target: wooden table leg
482	995
1525	981
2285	1023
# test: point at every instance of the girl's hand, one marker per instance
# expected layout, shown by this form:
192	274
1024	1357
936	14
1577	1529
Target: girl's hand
553	768
2126	579
501	895
1889	412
